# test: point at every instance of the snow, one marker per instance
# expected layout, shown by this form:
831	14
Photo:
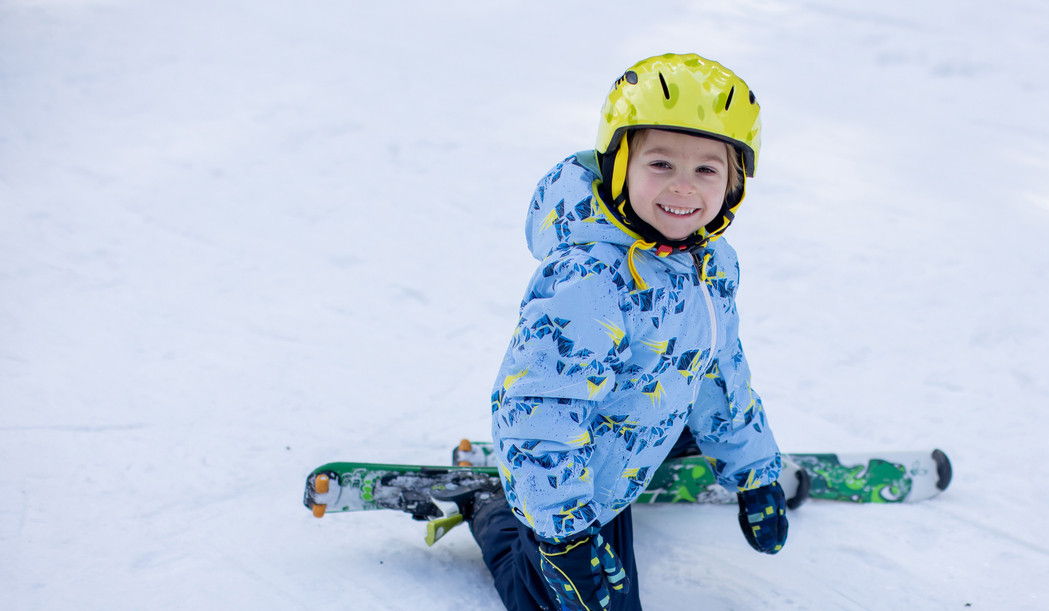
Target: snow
242	239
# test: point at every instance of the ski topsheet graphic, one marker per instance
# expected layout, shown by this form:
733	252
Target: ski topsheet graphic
889	477
873	477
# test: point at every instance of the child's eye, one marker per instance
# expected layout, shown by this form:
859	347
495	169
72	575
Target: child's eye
663	165
706	169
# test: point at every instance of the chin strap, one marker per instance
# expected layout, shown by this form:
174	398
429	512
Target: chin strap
619	166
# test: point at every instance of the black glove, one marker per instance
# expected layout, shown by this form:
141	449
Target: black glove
581	571
763	517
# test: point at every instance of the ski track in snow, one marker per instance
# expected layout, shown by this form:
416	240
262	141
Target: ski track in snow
241	240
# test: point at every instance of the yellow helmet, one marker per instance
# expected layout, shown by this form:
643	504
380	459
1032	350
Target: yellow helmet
685	93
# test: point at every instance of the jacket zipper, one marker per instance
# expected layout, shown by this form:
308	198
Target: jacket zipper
700	272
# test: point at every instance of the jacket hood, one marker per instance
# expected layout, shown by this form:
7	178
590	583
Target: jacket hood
567	210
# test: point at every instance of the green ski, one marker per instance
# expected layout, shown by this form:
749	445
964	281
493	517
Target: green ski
893	477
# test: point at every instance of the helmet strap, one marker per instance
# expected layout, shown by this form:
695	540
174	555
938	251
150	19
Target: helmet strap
619	167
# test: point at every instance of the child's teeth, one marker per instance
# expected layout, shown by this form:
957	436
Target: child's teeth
678	211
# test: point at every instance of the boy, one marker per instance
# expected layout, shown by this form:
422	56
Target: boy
627	341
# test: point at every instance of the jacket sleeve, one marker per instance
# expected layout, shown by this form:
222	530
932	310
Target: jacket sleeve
730	425
562	361
728	419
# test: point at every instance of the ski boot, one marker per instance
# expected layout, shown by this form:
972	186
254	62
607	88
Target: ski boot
466	497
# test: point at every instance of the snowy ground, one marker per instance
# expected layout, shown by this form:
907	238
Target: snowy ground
241	239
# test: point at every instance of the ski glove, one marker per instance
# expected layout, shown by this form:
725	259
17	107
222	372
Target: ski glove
581	570
763	517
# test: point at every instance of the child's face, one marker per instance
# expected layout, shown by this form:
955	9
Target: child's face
677	182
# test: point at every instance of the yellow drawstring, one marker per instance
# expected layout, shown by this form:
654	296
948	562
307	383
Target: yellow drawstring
703	272
638	280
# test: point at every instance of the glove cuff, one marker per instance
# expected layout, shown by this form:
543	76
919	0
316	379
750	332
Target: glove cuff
562	542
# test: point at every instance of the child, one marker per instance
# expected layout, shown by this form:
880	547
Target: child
627	341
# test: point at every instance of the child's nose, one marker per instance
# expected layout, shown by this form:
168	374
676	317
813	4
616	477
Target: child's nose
682	185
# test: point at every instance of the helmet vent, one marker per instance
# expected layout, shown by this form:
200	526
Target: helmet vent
728	102
753	100
663	82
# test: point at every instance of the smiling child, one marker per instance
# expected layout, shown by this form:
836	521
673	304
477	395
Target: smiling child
627	343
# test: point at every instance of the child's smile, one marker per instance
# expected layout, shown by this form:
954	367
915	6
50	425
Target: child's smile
677	181
678	211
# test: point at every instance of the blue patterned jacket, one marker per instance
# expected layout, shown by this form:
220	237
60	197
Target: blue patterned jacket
601	376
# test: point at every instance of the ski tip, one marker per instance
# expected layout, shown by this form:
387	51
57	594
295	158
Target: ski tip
318	510
943	469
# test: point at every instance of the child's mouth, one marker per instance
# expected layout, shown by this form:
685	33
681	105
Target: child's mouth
677	211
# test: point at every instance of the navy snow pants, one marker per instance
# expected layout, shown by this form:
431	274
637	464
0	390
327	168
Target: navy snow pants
511	552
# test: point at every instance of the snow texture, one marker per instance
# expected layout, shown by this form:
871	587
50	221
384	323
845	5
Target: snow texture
242	239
